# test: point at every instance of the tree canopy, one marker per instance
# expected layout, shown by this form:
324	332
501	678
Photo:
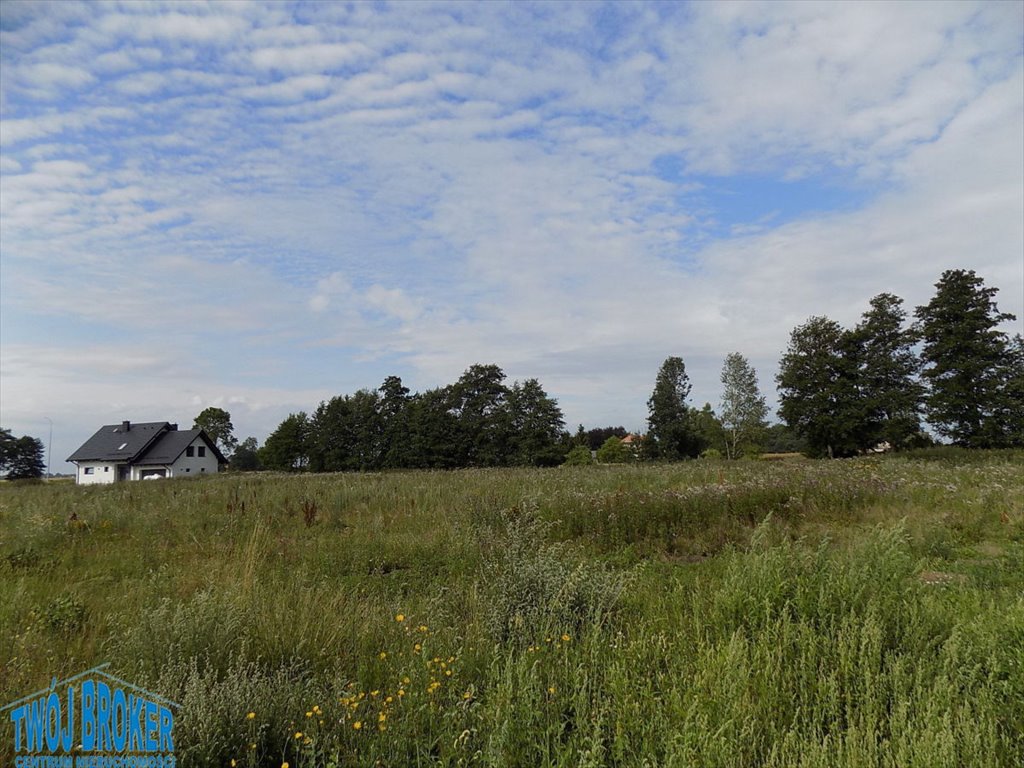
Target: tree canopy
22	457
967	361
216	422
673	431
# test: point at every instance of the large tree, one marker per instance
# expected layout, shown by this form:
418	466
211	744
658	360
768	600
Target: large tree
478	403
246	457
670	420
1010	409
743	406
886	369
394	413
7	443
216	422
818	395
965	357
536	425
287	448
24	457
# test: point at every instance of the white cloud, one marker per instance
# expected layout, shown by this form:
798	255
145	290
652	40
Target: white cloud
316	57
425	189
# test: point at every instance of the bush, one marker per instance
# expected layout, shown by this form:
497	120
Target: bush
533	588
579	457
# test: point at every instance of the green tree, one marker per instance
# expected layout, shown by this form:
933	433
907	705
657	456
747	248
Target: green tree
818	396
595	437
216	422
287	447
25	459
345	433
246	456
614	451
7	443
1010	408
965	357
394	413
887	368
578	456
744	410
672	429
536	425
435	436
712	433
478	403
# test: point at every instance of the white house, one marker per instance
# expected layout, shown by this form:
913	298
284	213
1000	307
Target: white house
152	449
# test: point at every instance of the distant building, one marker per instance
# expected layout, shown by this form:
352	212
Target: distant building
150	450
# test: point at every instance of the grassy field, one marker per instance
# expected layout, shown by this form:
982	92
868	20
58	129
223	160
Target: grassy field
784	613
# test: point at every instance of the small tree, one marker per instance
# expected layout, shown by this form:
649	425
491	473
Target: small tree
743	406
216	422
614	451
579	456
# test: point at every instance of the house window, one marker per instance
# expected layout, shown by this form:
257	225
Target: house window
190	451
187	469
89	470
202	450
106	469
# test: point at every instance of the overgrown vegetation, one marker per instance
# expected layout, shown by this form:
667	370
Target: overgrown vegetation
865	612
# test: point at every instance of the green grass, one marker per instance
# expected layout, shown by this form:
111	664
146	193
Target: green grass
848	613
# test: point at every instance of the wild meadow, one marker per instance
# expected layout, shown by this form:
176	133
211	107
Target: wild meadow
861	612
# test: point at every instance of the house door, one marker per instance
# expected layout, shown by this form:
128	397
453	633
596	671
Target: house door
123	472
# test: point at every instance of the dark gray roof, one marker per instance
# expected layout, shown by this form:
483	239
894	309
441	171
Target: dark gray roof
172	444
120	442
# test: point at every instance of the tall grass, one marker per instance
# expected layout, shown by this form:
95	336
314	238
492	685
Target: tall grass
850	613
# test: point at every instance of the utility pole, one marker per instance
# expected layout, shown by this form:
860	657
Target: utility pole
49	447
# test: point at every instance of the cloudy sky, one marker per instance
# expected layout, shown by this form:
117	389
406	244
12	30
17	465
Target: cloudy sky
259	206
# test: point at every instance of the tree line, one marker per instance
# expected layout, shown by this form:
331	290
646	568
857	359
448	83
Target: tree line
841	391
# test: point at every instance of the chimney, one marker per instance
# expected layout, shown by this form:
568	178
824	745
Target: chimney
126	426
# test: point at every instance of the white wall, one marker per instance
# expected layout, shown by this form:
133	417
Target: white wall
195	465
102	473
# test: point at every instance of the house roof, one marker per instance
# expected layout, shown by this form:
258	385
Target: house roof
120	442
172	444
153	442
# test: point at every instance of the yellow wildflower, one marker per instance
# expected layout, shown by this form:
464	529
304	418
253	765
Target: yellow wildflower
357	724
400	617
566	638
251	716
383	655
298	734
551	690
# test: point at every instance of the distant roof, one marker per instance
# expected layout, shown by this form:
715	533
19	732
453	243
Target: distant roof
120	442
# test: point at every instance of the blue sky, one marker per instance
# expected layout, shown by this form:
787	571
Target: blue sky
261	205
